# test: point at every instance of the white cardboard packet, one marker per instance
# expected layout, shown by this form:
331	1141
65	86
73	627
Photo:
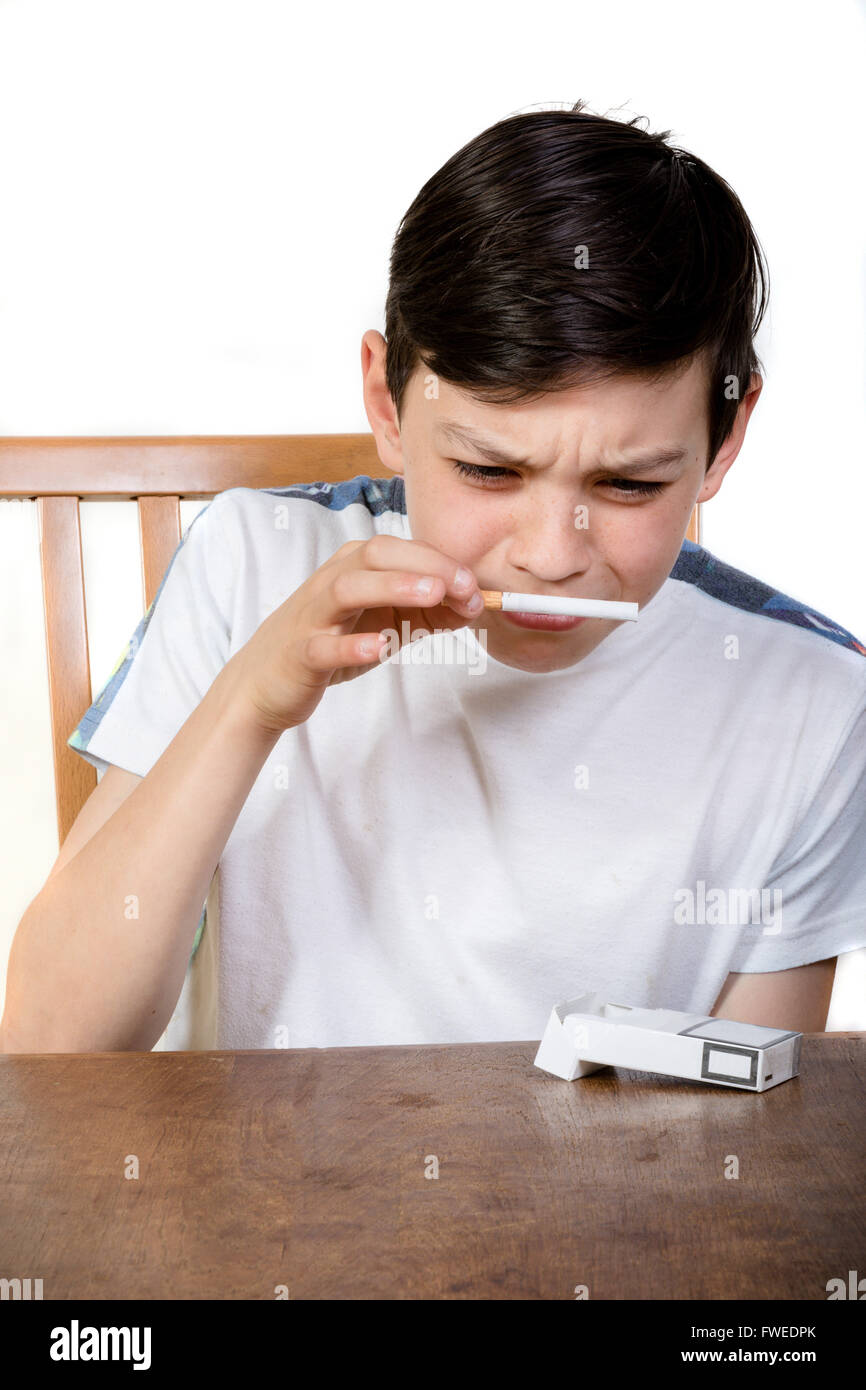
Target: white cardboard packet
587	1033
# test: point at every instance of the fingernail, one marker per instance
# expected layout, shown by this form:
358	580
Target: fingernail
462	579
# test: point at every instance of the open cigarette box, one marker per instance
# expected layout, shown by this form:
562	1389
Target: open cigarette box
587	1033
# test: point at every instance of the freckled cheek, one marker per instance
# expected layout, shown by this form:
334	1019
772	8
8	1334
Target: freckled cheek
636	550
460	530
436	530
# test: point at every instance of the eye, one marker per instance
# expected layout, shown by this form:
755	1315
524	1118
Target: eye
474	470
628	487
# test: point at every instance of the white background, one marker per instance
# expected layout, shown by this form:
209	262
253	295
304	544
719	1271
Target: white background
198	205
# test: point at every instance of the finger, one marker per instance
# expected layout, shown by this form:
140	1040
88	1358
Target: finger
382	552
353	591
327	651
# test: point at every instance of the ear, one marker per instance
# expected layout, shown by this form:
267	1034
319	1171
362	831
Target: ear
378	403
734	442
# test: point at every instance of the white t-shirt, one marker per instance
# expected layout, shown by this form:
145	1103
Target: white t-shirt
449	847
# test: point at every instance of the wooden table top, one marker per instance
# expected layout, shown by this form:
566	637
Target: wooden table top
310	1174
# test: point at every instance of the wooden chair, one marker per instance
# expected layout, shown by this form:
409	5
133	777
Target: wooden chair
156	472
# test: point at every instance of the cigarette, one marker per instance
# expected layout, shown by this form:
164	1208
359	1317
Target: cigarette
568	607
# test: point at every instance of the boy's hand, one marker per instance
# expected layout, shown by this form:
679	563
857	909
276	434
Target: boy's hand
319	636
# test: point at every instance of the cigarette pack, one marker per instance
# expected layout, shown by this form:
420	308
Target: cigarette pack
587	1033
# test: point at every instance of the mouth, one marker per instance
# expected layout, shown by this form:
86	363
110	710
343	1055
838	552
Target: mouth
545	622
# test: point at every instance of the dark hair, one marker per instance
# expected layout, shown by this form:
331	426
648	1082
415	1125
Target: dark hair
484	290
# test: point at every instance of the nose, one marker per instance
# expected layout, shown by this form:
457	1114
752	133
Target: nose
552	541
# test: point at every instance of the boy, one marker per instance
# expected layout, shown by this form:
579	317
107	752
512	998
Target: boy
437	851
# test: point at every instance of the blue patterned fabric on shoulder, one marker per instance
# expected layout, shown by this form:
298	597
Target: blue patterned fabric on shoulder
376	494
697	566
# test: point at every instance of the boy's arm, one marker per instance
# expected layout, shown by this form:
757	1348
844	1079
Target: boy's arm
99	958
797	999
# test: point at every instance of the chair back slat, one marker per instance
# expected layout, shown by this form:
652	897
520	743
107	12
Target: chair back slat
66	648
159	527
190	467
156	472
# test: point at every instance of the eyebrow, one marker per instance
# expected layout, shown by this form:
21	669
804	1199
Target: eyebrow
641	461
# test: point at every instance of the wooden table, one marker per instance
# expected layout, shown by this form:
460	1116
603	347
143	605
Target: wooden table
308	1169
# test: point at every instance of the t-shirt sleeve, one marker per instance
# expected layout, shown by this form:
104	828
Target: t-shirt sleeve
818	881
177	650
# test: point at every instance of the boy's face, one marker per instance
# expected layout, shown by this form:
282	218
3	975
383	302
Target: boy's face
556	523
